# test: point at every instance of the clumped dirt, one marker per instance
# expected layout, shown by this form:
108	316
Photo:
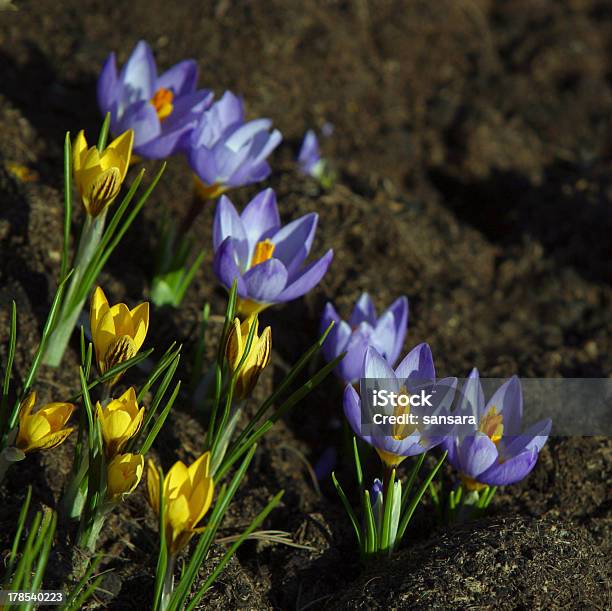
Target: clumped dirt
472	140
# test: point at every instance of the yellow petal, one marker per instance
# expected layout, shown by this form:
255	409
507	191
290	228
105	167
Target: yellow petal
123	146
200	500
153	486
25	409
79	148
57	414
199	469
175	481
124	473
104	335
140	323
123	320
178	514
98	307
51	441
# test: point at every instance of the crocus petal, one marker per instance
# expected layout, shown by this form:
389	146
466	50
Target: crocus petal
510	471
229	109
383	336
364	310
143	119
471	401
180	79
309	277
187	109
204	164
338	336
265	281
309	152
351	366
139	74
225	268
533	438
476	454
228	223
399	309
107	85
417	367
260	218
352	409
294	241
508	399
377	368
246	132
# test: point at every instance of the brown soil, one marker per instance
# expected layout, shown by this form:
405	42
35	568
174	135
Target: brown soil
472	139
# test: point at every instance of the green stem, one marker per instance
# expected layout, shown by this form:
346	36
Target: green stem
69	314
89	536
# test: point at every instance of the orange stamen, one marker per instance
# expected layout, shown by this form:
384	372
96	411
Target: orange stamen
162	102
263	252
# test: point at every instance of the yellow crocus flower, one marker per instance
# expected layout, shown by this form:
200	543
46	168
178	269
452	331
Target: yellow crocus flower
44	429
123	474
187	493
117	332
257	359
120	420
99	175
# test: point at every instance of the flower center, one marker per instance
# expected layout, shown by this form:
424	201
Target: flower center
162	102
491	424
119	351
263	252
401	431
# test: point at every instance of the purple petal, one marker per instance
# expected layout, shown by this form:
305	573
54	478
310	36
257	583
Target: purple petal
351	368
364	310
471	401
204	164
225	268
227	223
417	367
181	78
339	335
383	336
266	280
377	368
533	438
399	309
246	132
352	410
142	118
310	276
476	454
107	85
294	241
229	109
309	154
508	399
260	219
187	110
139	75
510	471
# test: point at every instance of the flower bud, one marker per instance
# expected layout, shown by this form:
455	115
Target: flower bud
257	358
44	429
98	174
123	475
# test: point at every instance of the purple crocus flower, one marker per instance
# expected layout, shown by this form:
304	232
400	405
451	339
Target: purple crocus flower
265	258
309	158
162	110
226	152
415	372
494	452
386	333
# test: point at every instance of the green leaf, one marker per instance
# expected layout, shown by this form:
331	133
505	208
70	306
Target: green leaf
349	510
